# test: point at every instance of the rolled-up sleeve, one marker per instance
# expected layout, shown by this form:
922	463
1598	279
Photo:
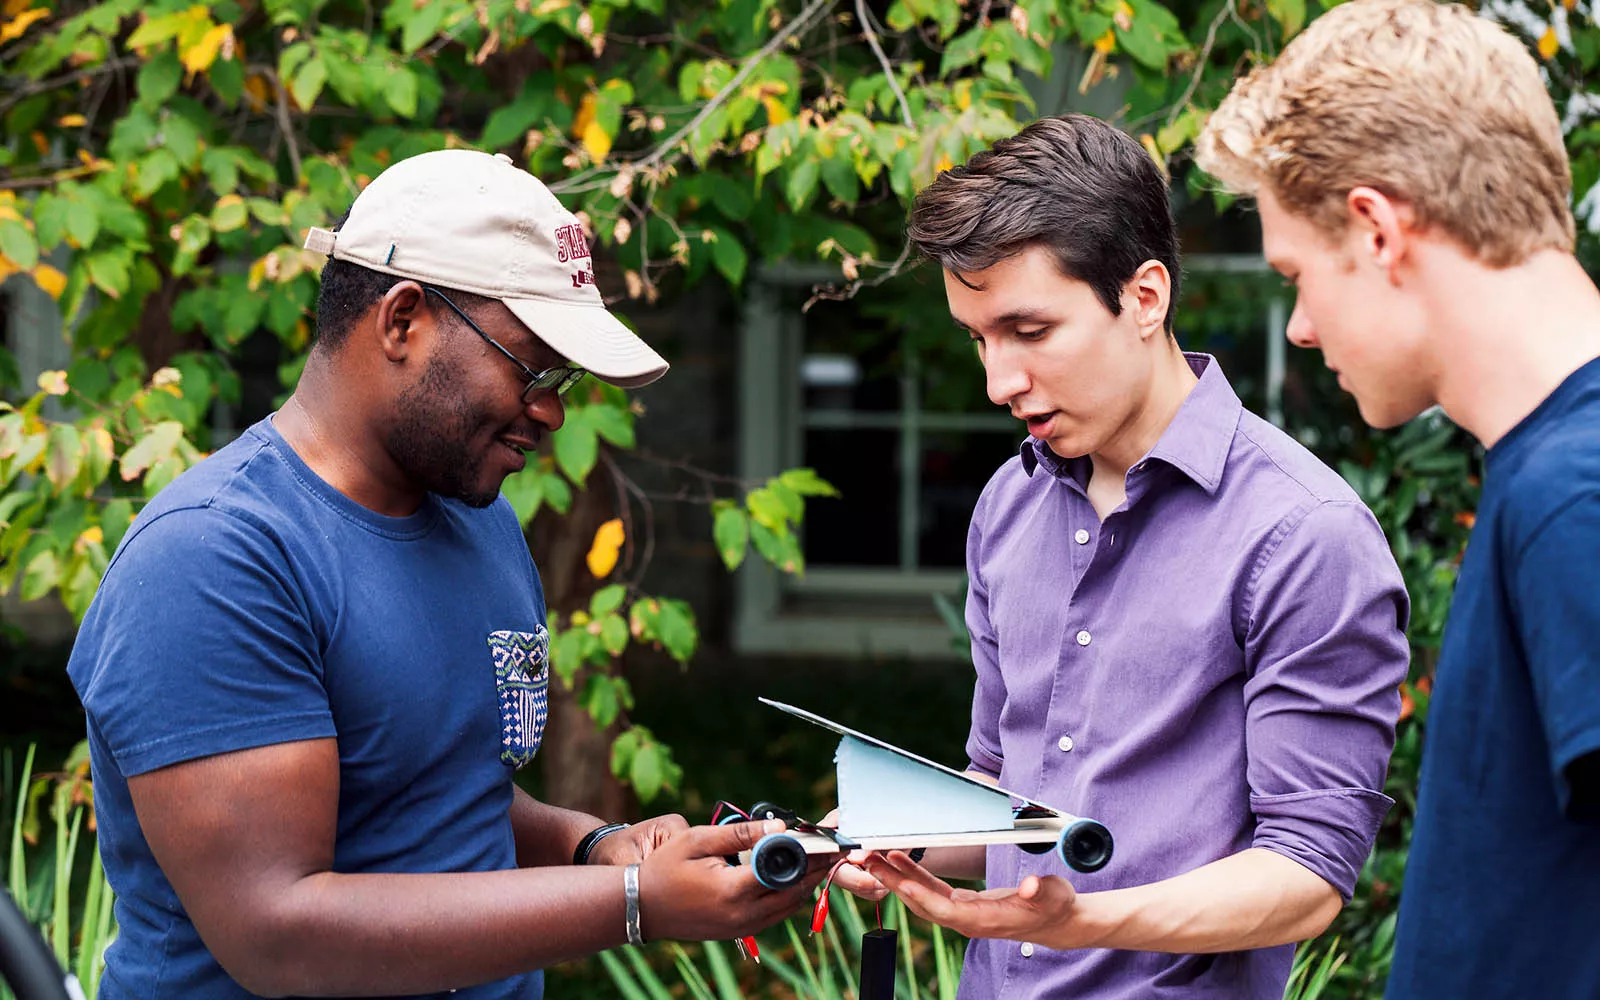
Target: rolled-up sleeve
989	692
1326	652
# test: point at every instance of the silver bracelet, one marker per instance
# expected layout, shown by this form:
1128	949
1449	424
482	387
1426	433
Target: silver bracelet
630	891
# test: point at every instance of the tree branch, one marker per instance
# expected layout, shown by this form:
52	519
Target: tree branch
667	151
1200	64
883	60
284	125
21	94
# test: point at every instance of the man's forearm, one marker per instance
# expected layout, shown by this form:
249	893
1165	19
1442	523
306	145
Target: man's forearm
335	934
545	834
1254	899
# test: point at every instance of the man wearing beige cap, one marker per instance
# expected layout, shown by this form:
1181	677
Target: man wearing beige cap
319	656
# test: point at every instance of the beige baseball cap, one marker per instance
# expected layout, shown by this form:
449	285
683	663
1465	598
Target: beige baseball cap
462	219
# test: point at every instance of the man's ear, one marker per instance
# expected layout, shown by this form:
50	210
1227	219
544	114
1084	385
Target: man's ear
1382	227
400	318
1150	292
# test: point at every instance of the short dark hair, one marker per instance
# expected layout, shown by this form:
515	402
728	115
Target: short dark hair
350	289
1084	189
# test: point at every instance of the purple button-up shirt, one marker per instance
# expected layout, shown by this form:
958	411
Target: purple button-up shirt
1213	667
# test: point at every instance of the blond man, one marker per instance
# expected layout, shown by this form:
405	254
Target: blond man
1414	186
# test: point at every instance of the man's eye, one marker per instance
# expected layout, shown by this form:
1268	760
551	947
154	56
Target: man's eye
1033	334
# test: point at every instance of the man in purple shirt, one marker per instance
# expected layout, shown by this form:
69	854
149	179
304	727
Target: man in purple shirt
1183	624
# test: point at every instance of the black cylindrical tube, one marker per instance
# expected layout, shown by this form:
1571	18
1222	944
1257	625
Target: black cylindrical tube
877	965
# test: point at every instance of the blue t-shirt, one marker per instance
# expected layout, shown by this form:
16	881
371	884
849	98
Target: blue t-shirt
251	604
1502	888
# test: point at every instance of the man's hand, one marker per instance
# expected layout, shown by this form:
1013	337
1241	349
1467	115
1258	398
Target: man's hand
637	842
689	892
1040	910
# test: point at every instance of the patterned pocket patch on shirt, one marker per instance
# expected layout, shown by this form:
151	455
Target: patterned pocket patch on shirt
522	683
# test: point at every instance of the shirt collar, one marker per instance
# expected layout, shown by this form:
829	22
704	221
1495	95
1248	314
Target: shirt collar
1196	443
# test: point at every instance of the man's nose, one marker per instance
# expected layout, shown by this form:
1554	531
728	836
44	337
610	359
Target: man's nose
546	409
1300	331
1004	378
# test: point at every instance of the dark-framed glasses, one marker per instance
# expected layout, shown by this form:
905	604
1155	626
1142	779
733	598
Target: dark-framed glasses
558	379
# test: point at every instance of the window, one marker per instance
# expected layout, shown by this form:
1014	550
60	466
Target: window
903	427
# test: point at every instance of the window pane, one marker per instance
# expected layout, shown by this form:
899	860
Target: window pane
955	467
863	527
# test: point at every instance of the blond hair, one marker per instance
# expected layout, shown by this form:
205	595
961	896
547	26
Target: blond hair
1424	101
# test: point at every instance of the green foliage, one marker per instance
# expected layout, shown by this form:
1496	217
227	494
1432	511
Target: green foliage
58	887
821	968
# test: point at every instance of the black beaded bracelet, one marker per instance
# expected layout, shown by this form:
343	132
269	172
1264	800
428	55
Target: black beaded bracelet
593	837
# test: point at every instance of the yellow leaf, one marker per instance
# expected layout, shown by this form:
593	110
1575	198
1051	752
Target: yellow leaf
203	53
255	87
72	121
51	280
53	382
584	116
11	8
1106	42
8	267
596	141
92	535
777	114
1124	15
1549	44
607	546
14	28
945	163
1149	143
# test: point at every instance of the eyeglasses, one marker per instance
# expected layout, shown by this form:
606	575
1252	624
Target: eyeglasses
558	379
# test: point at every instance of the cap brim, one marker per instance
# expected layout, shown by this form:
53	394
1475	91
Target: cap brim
593	339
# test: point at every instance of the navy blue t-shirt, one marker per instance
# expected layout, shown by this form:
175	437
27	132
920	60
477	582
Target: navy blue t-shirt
1502	889
251	604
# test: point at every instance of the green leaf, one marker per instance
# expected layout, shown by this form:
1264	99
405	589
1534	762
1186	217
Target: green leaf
576	447
1289	13
41	576
767	508
614	423
64	456
839	177
729	255
807	483
509	123
607	600
731	531
600	699
401	92
159	79
109	272
229	213
83	222
17	243
794	508
309	81
614	634
227	79
677	630
650	770
155	170
157	444
780	547
802	180
156	30
268	212
423	24
557	494
525	492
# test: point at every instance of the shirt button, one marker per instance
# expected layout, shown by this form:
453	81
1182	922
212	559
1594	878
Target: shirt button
1027	949
1065	743
1083	638
1082	537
